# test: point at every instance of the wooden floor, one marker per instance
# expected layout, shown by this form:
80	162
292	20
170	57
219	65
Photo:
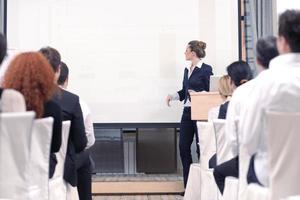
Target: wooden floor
139	197
156	185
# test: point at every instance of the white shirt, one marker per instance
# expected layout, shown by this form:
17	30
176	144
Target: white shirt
175	96
235	108
88	124
276	89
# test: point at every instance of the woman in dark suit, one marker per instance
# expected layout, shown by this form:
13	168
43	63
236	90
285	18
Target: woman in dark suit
196	78
31	74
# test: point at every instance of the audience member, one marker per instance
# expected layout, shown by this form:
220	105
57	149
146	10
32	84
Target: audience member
225	92
31	74
63	81
239	73
278	89
219	112
77	165
266	50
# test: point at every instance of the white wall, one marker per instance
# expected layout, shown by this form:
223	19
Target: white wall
219	27
126	56
283	5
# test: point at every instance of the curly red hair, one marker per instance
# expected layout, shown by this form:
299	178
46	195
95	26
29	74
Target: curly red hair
31	74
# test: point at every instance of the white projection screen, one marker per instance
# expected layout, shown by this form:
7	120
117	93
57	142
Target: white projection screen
124	56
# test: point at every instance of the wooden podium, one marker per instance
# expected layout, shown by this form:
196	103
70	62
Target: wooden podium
202	102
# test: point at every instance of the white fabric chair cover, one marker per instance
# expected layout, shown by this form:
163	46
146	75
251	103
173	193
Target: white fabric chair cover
72	193
292	198
209	189
39	158
57	184
15	136
231	188
283	150
222	149
207	142
257	192
193	187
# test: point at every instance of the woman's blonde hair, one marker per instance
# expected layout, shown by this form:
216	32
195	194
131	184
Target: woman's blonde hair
225	89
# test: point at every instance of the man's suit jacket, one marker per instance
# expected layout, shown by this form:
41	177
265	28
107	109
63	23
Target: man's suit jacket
71	110
198	81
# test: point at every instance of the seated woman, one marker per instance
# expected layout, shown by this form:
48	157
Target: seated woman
225	92
31	74
220	112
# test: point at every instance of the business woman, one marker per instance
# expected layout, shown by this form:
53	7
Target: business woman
31	75
196	78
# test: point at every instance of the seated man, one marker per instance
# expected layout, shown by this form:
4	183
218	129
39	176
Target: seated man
77	165
265	51
87	118
278	89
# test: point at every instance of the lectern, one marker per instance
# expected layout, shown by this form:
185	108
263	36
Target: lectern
202	102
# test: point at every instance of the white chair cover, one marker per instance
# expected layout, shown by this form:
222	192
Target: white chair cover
39	158
283	150
57	185
257	192
222	149
72	192
193	187
231	188
207	142
292	198
209	188
15	136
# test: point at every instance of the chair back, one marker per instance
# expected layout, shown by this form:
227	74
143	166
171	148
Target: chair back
57	184
283	153
206	142
39	158
15	139
61	155
222	149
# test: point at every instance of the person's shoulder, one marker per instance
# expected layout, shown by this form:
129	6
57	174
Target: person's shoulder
206	66
52	104
69	95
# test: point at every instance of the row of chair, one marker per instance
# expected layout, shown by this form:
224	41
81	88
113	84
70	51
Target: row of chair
25	144
284	162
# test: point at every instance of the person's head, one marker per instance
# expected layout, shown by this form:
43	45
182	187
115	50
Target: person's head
64	75
266	50
3	47
289	32
195	50
31	74
239	73
225	89
54	58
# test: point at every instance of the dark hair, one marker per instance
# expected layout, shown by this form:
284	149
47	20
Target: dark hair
52	56
239	72
64	73
3	47
289	28
198	47
266	50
